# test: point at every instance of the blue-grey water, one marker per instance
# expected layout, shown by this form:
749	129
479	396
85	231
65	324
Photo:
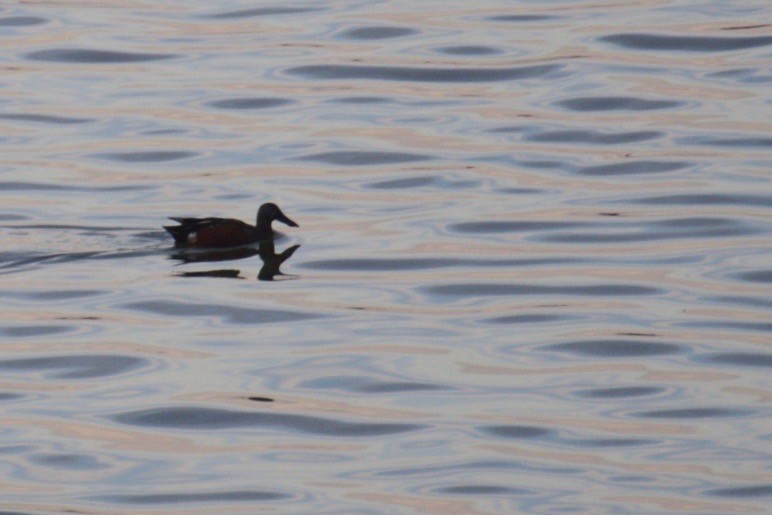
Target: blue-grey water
532	272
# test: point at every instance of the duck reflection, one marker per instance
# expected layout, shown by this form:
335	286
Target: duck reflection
272	261
265	249
211	255
227	273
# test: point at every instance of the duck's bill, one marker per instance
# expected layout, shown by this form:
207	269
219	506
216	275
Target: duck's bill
285	220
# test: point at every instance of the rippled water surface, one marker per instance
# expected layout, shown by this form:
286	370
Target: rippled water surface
532	272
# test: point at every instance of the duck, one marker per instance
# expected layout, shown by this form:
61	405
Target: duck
226	232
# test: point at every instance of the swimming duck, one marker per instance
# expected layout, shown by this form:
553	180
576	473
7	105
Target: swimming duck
226	232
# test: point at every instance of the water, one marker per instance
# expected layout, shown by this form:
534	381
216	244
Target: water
531	275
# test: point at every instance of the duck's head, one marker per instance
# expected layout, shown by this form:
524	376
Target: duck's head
269	212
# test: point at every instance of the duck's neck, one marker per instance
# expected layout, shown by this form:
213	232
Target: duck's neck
263	228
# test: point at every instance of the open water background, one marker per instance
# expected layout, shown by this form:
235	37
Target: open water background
533	271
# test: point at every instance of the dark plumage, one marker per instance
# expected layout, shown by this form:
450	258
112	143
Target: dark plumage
226	232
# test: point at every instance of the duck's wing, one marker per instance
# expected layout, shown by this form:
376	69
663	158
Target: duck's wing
188	226
211	232
199	223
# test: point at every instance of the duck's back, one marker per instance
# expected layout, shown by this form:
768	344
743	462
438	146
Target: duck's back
211	232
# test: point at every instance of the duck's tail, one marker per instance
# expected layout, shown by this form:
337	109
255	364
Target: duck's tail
178	232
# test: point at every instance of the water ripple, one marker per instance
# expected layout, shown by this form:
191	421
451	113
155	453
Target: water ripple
637	41
36	186
210	418
250	103
739	199
729	324
617	104
633	168
75	366
522	18
420	182
756	276
366	384
477	289
615	348
593	137
198	497
260	11
89	56
424	74
470	50
44	118
482	490
742	359
231	314
21	21
695	413
764	490
68	461
507	431
363	100
147	156
728	141
378	32
604	443
676	228
27	331
620	392
364	158
744	75
756	302
530	318
407	264
512	226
